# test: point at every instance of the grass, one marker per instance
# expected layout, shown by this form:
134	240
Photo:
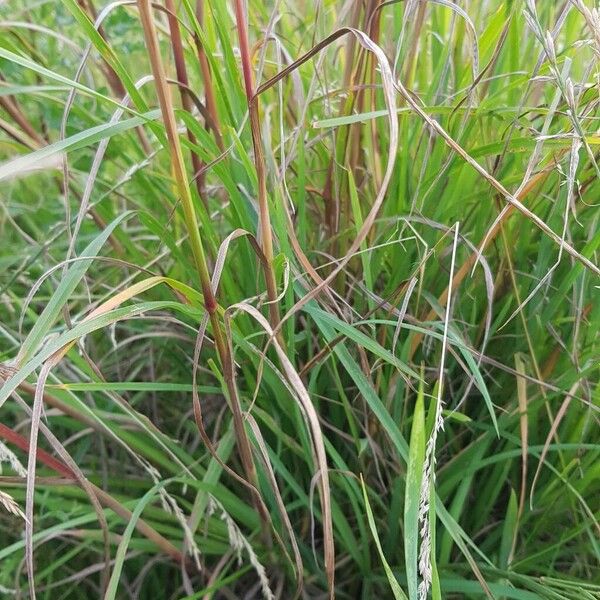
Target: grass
299	300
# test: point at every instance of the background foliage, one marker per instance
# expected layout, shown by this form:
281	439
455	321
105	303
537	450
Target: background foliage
432	186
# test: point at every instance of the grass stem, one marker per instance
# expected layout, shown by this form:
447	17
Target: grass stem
191	223
266	234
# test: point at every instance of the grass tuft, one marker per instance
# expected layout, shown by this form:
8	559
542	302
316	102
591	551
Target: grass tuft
300	300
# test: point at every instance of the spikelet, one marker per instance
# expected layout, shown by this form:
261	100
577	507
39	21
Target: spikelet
7	455
11	506
238	543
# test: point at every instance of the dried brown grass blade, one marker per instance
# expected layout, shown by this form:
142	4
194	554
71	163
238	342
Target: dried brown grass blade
312	418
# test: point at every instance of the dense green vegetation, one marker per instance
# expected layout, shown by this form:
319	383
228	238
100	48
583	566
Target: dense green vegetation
299	299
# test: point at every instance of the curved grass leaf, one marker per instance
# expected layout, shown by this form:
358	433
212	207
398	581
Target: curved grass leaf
72	277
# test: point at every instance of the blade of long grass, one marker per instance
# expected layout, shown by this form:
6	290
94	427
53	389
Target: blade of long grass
414	474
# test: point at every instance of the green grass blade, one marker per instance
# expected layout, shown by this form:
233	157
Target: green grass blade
394	585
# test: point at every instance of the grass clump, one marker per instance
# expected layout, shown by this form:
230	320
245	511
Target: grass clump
299	300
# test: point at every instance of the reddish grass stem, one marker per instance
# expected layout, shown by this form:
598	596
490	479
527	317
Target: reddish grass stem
259	160
209	94
186	101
